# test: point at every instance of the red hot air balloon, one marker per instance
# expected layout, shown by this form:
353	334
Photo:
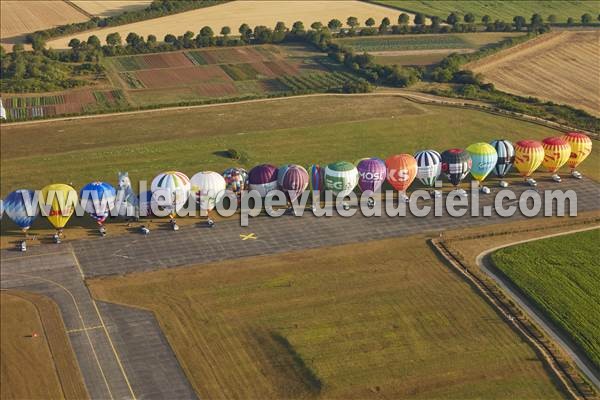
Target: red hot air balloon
401	171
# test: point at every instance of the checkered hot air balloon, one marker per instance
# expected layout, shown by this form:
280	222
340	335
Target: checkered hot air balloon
456	164
22	208
556	153
529	155
98	198
263	179
506	157
483	159
429	166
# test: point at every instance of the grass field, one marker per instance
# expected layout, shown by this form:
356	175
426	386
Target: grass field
562	67
235	13
324	323
503	10
41	367
561	276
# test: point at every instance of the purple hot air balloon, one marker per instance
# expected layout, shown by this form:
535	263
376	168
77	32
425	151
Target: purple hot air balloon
372	173
293	181
263	178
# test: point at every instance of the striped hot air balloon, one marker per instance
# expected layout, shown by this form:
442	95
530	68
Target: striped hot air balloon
529	155
170	190
456	164
22	208
429	166
506	157
581	147
483	160
263	179
401	171
315	173
556	153
293	181
371	174
98	198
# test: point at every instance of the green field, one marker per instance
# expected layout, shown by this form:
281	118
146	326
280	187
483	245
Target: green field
299	130
398	43
324	323
561	276
503	10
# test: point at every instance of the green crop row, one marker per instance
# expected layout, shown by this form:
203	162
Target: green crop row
23	102
315	81
407	43
130	63
132	81
240	72
195	57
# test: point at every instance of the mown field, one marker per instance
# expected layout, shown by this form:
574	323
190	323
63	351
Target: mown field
503	10
326	324
103	8
561	276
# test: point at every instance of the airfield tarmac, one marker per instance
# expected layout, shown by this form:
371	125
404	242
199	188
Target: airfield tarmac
121	350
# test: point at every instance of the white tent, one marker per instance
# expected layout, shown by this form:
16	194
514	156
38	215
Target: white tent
2	111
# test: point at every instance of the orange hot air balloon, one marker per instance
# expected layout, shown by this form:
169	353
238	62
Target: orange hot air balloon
556	153
529	155
581	147
401	171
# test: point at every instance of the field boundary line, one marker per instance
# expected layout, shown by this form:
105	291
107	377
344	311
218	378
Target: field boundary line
533	312
79	9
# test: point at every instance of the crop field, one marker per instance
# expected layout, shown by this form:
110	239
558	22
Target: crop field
561	67
18	18
503	10
253	13
71	102
325	324
103	8
563	281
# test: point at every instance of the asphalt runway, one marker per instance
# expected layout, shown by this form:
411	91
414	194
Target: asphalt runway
121	351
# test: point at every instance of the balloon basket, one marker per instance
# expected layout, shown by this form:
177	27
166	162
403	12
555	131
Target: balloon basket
576	174
531	182
485	190
503	184
556	178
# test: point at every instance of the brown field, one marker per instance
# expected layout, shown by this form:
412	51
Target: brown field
235	13
104	8
162	78
562	67
18	18
232	55
166	60
41	367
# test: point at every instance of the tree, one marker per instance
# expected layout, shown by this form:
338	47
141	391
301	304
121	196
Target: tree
537	20
486	19
74	43
403	19
170	38
93	41
352	22
519	22
469	18
151	40
298	28
570	21
334	24
552	19
452	19
113	39
317	26
18	48
280	27
132	38
586	19
370	22
435	23
385	22
245	32
420	19
262	34
207	31
225	31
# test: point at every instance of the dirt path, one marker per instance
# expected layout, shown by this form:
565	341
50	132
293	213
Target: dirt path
580	358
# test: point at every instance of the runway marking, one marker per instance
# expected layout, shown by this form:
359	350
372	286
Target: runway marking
84	329
248	236
80	318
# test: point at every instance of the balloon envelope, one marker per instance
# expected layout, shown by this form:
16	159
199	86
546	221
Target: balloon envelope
456	164
315	173
263	179
506	157
581	147
556	153
483	160
293	181
209	189
59	202
371	174
171	190
401	171
236	180
529	155
145	203
340	177
98	198
429	166
21	207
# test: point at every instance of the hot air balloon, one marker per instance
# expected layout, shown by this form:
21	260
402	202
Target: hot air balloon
371	174
59	202
456	164
340	177
401	172
171	190
263	179
429	167
529	155
236	180
98	199
483	160
22	208
209	189
293	181
506	158
581	147
556	153
315	181
146	200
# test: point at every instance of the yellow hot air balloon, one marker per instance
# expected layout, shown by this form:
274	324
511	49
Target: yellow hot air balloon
58	202
529	155
556	153
581	147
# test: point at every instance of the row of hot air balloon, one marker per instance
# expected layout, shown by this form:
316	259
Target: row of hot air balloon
341	178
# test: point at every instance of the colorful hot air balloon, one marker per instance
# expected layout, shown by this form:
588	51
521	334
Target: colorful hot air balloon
429	166
556	153
371	174
340	178
58	202
581	147
506	156
263	179
170	190
315	173
529	155
401	171
293	181
456	164
236	180
22	208
98	198
483	160
209	189
145	203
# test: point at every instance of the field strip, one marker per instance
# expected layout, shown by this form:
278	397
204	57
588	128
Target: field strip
420	52
483	262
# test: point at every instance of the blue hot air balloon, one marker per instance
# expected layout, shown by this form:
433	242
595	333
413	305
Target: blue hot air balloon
22	208
98	199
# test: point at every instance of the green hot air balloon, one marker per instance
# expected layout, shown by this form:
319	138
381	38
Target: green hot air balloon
341	178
